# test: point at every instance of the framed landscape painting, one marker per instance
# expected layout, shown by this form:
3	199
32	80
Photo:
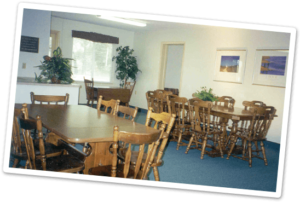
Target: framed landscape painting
270	67
230	65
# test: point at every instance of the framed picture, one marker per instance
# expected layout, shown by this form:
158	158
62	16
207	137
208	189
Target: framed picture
230	65
270	67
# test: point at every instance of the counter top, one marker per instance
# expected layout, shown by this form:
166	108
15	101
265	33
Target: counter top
31	81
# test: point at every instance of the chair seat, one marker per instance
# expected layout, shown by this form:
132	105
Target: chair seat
50	149
63	163
106	171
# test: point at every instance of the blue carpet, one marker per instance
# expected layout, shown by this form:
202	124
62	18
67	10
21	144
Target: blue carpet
188	168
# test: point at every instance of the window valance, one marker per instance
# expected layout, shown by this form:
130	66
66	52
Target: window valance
95	37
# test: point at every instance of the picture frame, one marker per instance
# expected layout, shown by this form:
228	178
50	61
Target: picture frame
230	65
270	67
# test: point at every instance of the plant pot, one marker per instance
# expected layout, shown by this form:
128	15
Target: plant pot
55	80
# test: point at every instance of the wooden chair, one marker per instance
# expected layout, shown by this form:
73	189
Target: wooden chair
162	121
49	99
90	92
127	112
163	94
253	131
203	126
18	150
145	141
225	101
39	160
179	107
110	106
154	101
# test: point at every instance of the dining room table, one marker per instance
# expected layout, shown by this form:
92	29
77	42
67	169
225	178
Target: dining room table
80	124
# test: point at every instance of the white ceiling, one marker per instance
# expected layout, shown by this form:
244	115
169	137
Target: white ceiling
151	25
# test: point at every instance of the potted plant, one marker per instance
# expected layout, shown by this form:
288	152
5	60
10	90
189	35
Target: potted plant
126	65
56	68
205	95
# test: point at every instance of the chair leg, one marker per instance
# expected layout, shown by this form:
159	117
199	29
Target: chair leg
232	143
250	153
203	147
155	172
16	162
190	143
256	146
264	152
244	148
220	147
179	139
88	103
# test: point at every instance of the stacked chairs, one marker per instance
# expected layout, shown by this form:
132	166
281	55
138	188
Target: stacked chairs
252	131
203	125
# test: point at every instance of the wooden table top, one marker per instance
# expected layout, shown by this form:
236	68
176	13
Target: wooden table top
80	124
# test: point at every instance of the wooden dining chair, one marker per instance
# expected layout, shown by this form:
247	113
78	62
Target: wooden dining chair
128	112
110	106
225	101
162	121
37	157
147	143
203	127
155	101
164	95
90	92
179	107
253	131
49	99
18	150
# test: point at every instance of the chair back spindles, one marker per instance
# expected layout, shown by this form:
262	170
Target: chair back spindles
225	101
128	113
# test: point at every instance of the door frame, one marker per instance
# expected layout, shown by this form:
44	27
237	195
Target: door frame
163	63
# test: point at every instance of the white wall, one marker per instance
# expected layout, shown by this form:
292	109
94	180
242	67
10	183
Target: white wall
65	27
173	67
36	23
201	44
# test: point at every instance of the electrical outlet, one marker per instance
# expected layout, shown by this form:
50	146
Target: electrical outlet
24	66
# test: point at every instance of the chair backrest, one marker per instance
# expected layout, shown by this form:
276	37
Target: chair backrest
225	101
110	106
16	148
89	88
26	126
201	119
163	93
164	122
252	104
49	99
149	141
179	107
262	131
155	101
128	113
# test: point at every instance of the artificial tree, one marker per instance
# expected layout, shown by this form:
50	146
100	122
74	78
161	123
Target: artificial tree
126	64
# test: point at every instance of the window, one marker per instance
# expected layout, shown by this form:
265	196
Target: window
92	60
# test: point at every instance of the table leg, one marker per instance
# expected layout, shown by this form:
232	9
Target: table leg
99	155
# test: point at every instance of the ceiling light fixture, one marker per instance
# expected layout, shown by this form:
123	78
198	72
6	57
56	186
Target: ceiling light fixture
122	20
